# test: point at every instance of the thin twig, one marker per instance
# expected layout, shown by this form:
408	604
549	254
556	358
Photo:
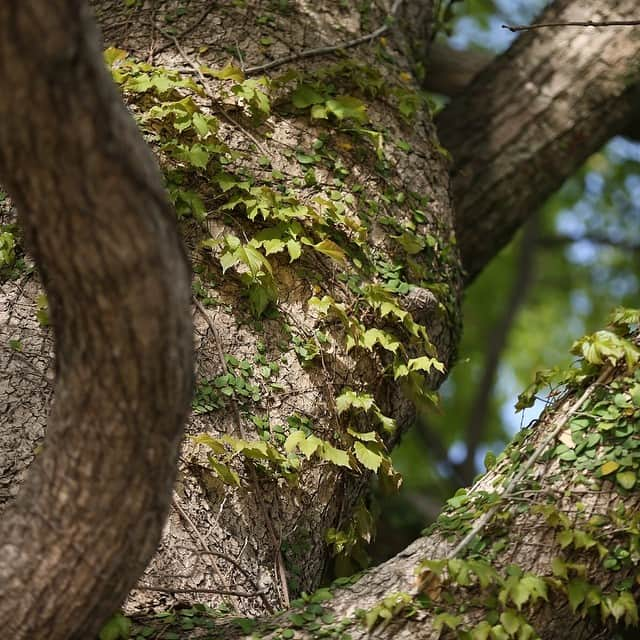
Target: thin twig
196	531
320	51
586	23
488	515
210	95
234	563
189	29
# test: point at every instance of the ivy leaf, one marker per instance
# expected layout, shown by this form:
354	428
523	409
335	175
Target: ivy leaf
227	260
353	399
273	246
425	363
293	440
609	467
295	250
577	592
334	455
226	474
319	112
117	628
321	305
331	249
309	446
304	96
366	457
384	339
511	621
347	107
626	479
228	72
213	443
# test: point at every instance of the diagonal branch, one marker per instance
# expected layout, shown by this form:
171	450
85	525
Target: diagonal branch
531	117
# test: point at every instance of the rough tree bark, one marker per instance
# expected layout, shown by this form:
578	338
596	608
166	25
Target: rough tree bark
98	223
533	116
266	527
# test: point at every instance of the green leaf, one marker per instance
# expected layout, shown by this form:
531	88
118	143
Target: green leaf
295	250
348	107
309	446
446	620
293	440
304	96
353	399
577	591
425	363
336	456
331	249
366	457
511	621
384	339
213	443
228	72
117	628
609	467
319	112
226	474
626	479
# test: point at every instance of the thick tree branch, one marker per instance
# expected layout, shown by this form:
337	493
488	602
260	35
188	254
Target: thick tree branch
96	219
532	117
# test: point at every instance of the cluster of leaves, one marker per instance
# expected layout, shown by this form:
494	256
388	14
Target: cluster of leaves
603	440
170	625
611	345
361	451
270	225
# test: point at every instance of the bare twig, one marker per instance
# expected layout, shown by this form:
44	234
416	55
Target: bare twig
234	563
196	532
320	51
577	23
524	469
189	29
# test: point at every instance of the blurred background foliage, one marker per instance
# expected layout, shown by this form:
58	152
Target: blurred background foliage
559	279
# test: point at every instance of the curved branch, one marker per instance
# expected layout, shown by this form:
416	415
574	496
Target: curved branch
97	222
532	117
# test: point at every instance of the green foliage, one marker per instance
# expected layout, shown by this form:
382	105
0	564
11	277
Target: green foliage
117	628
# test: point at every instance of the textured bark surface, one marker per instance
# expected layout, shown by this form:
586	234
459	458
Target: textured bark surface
266	527
528	540
267	530
98	224
533	116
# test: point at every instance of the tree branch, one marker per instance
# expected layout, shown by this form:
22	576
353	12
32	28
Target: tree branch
531	117
585	23
90	513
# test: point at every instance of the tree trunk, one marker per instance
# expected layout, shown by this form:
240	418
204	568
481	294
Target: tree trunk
96	220
316	207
